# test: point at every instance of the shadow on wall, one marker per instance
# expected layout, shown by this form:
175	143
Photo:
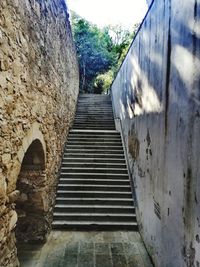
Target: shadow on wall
142	93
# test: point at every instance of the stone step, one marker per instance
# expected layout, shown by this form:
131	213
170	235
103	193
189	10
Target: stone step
94	209
100	126
92	147
94	96
94	181
97	225
90	155
91	187
92	128
93	170
94	102
96	137
92	122
83	160
107	114
96	113
89	100
97	143
102	111
103	217
97	103
100	108
95	127
93	165
94	175
94	133
98	140
94	143
95	194
93	151
94	110
93	119
86	116
94	201
103	98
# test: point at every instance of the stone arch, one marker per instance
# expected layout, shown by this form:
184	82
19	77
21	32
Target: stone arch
30	185
34	157
34	133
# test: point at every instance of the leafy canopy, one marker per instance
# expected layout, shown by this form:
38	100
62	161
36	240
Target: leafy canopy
99	51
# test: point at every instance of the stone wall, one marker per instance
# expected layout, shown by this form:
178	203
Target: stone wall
38	94
156	95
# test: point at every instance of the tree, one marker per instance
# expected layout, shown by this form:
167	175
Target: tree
103	81
93	50
122	39
100	53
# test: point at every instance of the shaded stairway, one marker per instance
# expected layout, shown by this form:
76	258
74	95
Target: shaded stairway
94	191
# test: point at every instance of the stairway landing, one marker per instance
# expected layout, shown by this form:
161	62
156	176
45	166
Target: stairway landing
86	249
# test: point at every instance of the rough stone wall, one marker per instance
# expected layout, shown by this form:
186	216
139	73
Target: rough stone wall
156	95
38	93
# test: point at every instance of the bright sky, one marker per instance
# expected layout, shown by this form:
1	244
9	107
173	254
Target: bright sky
104	12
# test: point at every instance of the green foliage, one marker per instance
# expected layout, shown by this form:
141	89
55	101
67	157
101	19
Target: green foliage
93	50
103	82
122	39
100	53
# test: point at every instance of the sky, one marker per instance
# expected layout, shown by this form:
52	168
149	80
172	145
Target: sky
105	12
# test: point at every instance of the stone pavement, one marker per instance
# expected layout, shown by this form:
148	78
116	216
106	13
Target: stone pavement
86	249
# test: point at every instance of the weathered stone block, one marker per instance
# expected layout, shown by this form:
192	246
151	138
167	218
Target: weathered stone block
13	197
13	220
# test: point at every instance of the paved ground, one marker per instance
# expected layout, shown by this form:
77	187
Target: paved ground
86	249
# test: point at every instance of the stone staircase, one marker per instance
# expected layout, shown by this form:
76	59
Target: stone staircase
94	190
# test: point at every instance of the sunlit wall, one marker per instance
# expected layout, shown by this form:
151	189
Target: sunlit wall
156	95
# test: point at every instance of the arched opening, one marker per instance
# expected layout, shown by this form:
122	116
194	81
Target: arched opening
30	205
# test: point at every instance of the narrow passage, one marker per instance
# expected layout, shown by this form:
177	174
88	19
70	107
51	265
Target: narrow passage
87	249
94	193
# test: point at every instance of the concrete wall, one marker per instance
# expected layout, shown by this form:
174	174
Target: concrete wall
149	2
38	93
156	95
